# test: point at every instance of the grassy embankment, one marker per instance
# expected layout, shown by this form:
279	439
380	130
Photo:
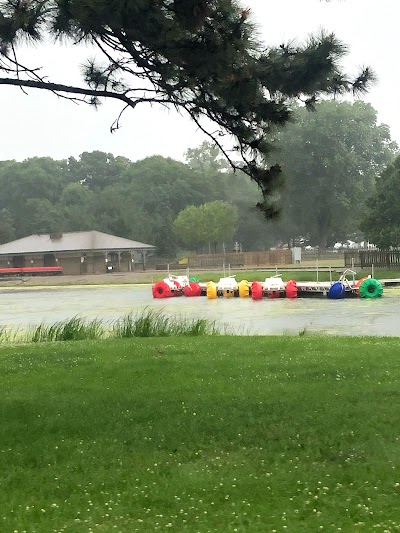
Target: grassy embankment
213	433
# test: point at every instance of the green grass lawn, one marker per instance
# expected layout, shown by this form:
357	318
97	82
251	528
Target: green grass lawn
204	434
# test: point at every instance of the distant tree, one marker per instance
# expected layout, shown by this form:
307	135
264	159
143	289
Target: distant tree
164	186
42	217
39	178
213	223
221	220
381	223
7	230
118	212
206	158
201	57
76	208
97	170
190	228
76	194
331	158
252	230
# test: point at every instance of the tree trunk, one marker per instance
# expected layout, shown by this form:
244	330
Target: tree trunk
324	226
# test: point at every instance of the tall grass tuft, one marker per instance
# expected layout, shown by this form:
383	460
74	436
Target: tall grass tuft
194	327
148	323
74	329
6	336
154	324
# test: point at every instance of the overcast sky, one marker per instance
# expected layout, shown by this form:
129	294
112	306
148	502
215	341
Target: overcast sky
40	124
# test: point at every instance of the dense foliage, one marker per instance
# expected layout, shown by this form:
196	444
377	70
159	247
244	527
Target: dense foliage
381	223
138	200
201	57
212	223
331	159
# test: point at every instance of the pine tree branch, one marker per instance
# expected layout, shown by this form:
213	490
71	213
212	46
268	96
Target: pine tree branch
70	89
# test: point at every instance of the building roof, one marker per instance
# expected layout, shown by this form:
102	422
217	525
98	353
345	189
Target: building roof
82	241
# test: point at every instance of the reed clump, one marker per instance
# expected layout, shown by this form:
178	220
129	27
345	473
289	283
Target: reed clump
146	324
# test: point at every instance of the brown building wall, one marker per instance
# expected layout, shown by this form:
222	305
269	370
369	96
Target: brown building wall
82	263
95	263
28	260
71	265
77	263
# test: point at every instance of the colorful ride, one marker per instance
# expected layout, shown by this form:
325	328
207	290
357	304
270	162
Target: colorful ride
272	287
343	288
228	287
177	286
170	286
369	288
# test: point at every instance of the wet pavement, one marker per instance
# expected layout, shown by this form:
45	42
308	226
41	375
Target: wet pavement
22	308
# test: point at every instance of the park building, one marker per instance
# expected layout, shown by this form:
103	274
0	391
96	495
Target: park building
79	252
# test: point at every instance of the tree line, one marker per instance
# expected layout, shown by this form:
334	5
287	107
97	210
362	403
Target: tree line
332	160
137	200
